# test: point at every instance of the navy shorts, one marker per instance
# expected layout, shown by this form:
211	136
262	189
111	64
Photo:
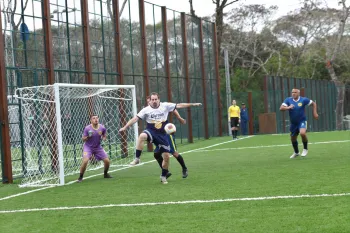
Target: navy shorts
159	139
295	128
172	143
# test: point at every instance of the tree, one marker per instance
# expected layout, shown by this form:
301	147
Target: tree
250	50
298	30
219	16
333	44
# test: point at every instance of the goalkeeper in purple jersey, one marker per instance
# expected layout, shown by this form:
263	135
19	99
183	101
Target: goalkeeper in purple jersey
92	136
298	124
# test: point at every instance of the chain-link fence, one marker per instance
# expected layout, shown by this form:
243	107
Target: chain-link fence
112	42
333	105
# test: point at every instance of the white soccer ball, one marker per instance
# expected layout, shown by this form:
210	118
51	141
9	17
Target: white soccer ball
170	128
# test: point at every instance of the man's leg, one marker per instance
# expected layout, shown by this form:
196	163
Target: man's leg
83	168
244	128
181	161
235	125
139	147
179	158
100	154
165	167
236	132
233	131
304	140
158	156
87	154
294	140
106	168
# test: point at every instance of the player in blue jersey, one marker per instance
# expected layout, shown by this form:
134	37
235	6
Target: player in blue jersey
298	124
156	114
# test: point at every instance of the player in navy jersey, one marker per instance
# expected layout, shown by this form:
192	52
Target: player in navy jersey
298	124
156	115
173	148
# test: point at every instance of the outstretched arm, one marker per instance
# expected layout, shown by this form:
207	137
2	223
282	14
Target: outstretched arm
314	110
187	105
130	123
177	114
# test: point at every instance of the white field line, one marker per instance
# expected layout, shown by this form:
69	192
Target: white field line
270	146
278	134
174	203
115	170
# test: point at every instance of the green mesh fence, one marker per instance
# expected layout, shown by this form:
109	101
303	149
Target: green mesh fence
333	103
25	56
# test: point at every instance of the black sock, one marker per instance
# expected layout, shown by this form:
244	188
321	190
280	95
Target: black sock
81	175
181	161
233	133
106	170
305	144
164	172
159	158
295	146
138	153
236	131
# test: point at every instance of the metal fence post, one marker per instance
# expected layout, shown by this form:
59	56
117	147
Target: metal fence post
4	121
187	75
202	62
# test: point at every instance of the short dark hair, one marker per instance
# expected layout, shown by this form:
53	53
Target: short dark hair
154	93
93	116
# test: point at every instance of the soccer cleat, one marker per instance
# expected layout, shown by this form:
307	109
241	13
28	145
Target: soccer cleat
80	180
107	176
168	175
294	155
135	162
184	173
163	179
304	153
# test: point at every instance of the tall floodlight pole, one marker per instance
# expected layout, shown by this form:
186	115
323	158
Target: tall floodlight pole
228	85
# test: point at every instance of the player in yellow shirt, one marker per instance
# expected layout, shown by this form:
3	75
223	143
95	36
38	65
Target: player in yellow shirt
234	116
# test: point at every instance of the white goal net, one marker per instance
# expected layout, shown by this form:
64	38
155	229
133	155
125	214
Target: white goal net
54	117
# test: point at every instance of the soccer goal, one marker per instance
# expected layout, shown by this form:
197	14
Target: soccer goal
53	119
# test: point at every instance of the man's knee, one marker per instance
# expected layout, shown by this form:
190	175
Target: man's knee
106	160
143	136
166	156
158	156
85	161
303	133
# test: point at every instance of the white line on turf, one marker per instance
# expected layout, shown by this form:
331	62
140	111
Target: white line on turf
119	169
175	202
24	193
259	147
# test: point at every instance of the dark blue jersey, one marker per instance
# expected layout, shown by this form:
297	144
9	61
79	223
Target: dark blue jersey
297	114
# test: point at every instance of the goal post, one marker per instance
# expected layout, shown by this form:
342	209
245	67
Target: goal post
55	117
